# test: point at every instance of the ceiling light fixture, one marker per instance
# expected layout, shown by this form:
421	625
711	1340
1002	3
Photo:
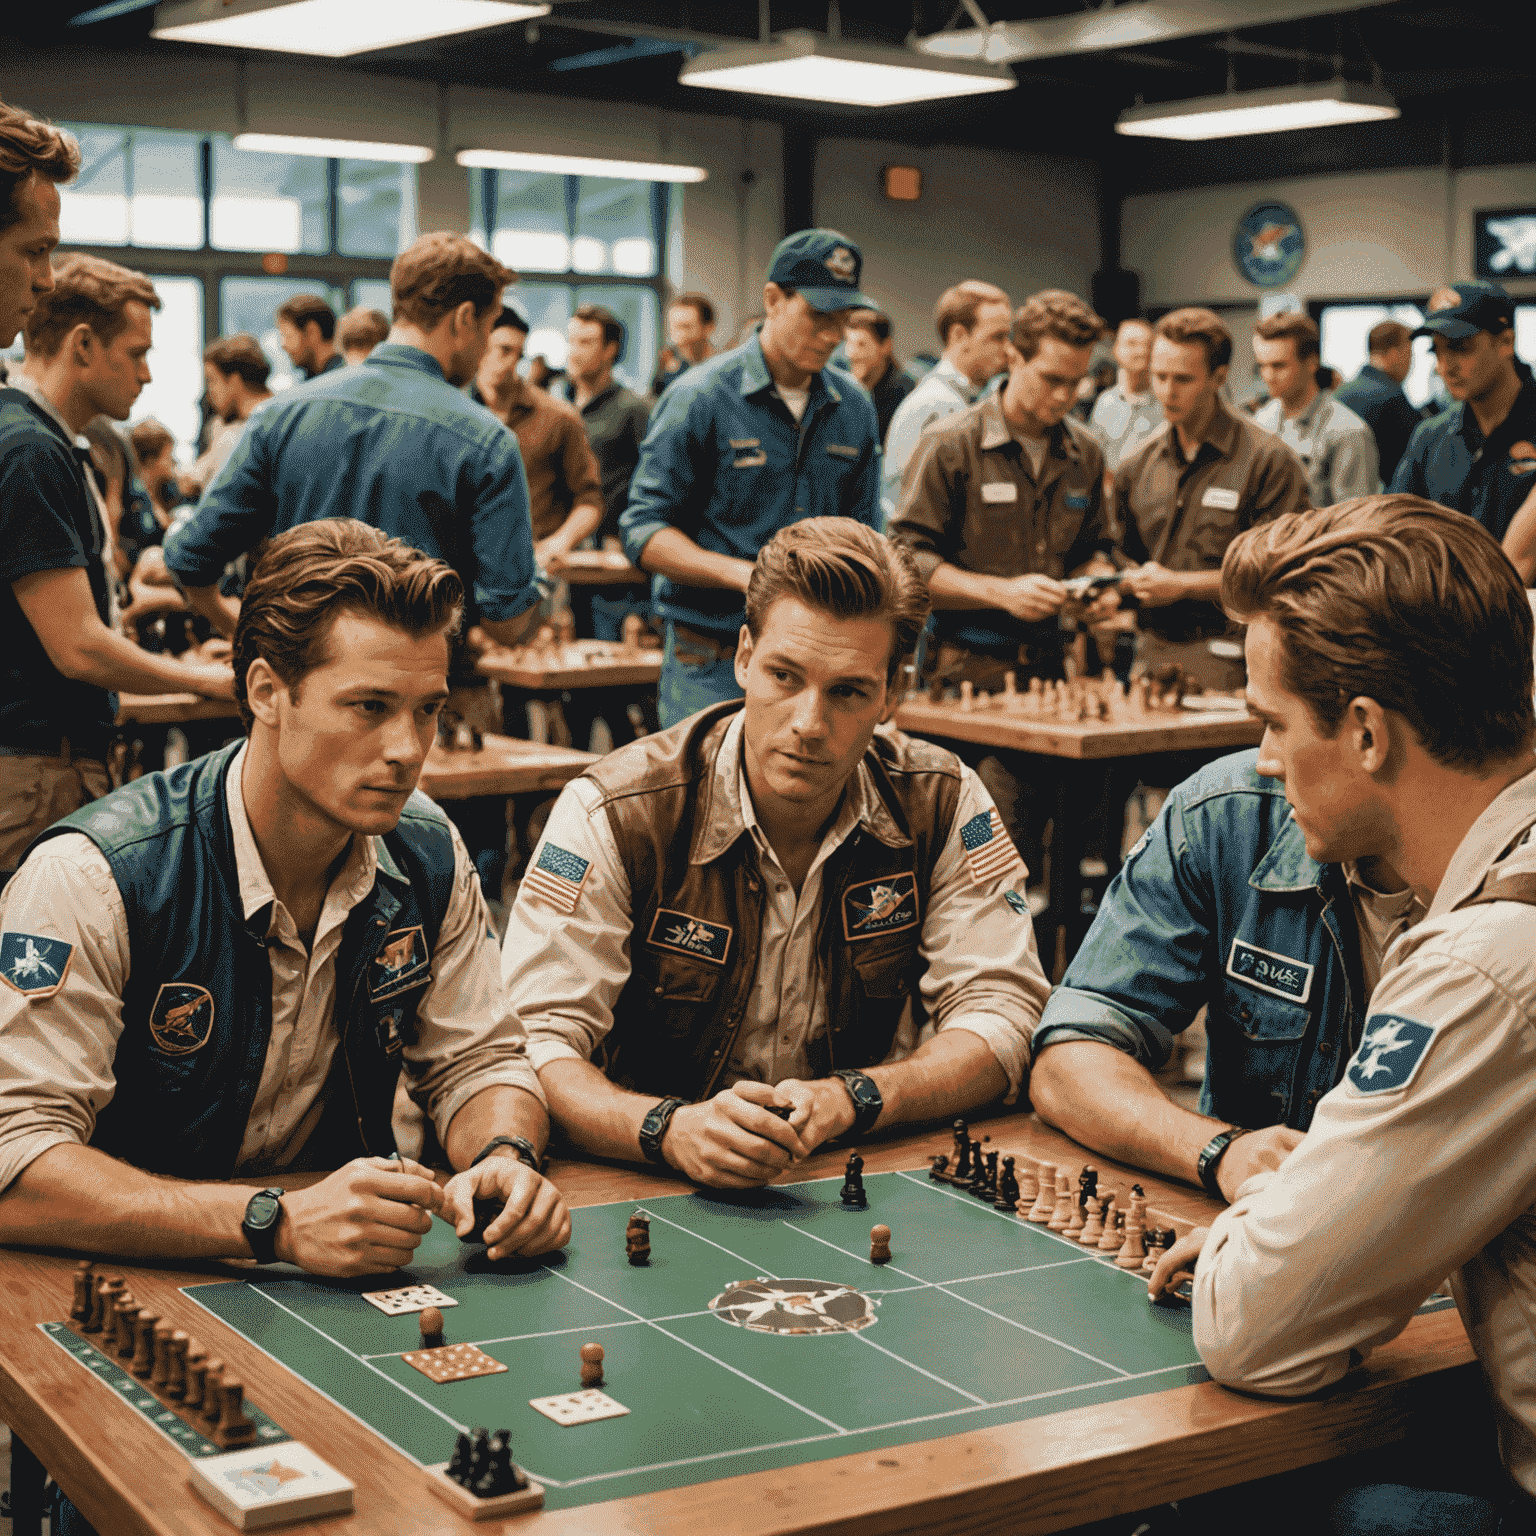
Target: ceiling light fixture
1281	110
331	149
331	29
577	165
807	66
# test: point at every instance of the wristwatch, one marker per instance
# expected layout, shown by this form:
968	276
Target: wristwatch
867	1102
262	1212
653	1128
1211	1155
524	1150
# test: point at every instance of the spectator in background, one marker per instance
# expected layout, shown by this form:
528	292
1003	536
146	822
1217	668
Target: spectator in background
306	327
972	320
1334	445
869	348
1375	394
1128	410
615	417
34	157
359	331
235	372
155	450
690	339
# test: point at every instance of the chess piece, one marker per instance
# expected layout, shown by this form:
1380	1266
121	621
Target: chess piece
637	1239
161	1347
1155	1249
1045	1197
213	1376
125	1308
176	1366
1134	1249
1066	1198
1007	1197
1029	1186
978	1183
458	1463
108	1289
430	1321
1093	1227
143	1343
880	1244
962	1142
1114	1231
591	1365
84	1279
197	1371
964	1169
989	1192
233	1426
852	1193
1078	1219
967	696
938	1169
630	631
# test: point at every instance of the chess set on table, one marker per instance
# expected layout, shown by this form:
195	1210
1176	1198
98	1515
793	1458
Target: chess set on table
1160	691
556	659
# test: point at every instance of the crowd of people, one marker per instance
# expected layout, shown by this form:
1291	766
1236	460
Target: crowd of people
775	921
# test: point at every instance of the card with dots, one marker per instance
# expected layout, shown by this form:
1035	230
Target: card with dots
578	1407
453	1362
408	1298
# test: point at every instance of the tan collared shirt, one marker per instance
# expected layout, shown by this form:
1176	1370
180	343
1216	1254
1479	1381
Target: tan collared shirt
56	1052
1420	1164
557	458
564	973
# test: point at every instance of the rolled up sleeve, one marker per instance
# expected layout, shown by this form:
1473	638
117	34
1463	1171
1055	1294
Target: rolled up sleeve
468	1035
932	504
235	514
57	1049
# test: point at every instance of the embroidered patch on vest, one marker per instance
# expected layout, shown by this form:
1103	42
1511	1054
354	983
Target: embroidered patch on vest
690	936
1390	1052
33	964
182	1018
1277	974
886	905
403	963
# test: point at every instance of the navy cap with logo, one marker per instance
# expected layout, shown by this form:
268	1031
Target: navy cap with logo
1464	309
824	266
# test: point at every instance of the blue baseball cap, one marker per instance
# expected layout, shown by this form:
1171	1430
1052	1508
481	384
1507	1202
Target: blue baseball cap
824	266
1464	309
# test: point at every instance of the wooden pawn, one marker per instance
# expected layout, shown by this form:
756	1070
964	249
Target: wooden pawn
1066	1198
1045	1193
1110	1239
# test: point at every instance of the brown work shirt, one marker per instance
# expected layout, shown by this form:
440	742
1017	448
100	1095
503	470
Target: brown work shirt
561	467
970	498
1183	513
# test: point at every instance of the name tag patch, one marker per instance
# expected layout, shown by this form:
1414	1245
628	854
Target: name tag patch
403	963
1278	975
33	964
690	936
1390	1052
182	1018
993	491
880	906
1222	500
843	450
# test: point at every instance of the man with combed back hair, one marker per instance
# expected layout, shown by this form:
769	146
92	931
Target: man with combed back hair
769	906
34	158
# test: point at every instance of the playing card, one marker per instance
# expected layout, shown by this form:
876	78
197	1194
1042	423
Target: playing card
453	1362
408	1298
271	1485
578	1407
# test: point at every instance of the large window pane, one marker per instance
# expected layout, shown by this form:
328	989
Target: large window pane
250	304
375	207
1344	330
176	361
165	189
374	292
532	230
268	202
615	228
93	209
640	310
548	307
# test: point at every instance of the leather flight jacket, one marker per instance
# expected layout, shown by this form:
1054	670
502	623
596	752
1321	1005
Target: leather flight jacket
698	896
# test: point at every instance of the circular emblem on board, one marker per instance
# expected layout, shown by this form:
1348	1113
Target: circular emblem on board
1268	244
793	1306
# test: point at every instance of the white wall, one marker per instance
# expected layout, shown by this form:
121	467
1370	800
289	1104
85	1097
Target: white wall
1369	235
1022	221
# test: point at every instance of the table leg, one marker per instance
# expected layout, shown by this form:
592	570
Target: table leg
1066	859
27	1477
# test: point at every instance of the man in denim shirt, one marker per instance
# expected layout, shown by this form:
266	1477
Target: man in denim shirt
1218	906
742	446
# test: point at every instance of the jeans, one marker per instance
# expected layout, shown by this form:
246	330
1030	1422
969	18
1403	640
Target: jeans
1393	1509
692	680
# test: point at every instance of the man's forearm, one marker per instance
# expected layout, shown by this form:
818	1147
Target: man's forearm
581	522
953	1071
109	661
952	587
673	554
594	1114
76	1197
220	611
511	632
498	1110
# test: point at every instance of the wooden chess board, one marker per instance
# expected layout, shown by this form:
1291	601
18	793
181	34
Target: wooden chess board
574	664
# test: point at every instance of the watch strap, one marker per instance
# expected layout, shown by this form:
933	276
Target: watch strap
263	1238
523	1149
1211	1155
867	1102
653	1129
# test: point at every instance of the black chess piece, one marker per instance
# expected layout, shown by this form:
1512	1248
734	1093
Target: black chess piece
962	1139
1088	1183
991	1190
486	1211
978	1183
458	1463
963	1170
479	1456
496	1478
939	1171
1007	1188
852	1193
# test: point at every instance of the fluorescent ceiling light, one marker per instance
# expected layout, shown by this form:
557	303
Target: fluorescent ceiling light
577	165
810	67
330	28
1275	111
330	149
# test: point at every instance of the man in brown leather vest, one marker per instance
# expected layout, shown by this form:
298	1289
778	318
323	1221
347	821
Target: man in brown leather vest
771	905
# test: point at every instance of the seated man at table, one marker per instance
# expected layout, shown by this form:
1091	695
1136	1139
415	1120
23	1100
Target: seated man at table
771	905
1389	655
172	957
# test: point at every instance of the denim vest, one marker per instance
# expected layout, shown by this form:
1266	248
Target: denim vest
197	1006
1221	906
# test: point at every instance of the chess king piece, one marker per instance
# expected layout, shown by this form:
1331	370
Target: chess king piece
852	1193
637	1239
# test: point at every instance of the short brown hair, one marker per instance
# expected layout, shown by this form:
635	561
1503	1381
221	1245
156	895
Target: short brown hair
875	321
1301	329
1396	599
958	305
435	274
1387	336
306	308
28	148
150	439
698	304
613	328
1054	312
1201	325
845	569
239	354
87	290
307	576
362	327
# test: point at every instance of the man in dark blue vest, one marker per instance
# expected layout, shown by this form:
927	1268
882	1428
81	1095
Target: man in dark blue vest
222	970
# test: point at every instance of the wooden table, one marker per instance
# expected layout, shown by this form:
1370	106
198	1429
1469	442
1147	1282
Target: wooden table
505	765
171	708
599	568
1044	1475
578	664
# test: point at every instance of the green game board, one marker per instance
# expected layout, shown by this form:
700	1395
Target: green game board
982	1320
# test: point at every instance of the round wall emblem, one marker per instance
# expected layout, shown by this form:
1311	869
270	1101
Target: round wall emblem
1268	244
793	1306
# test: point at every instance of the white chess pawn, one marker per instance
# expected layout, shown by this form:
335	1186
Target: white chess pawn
967	696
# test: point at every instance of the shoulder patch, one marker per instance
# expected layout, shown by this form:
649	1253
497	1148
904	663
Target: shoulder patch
1390	1052
690	936
33	964
403	963
873	907
182	1017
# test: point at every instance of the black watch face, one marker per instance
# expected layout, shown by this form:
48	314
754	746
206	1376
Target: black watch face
262	1211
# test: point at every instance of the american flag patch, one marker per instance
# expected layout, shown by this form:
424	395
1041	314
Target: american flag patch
989	851
557	877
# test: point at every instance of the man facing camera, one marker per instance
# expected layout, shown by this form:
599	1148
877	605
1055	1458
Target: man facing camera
769	905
